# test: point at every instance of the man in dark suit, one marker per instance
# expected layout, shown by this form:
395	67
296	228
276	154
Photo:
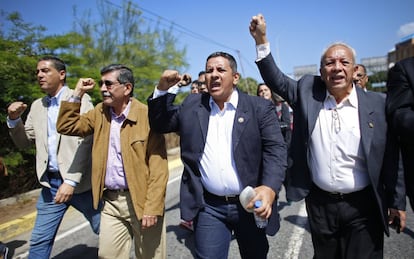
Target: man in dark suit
343	157
229	140
400	109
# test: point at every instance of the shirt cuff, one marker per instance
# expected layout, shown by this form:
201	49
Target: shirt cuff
70	182
172	90
74	99
12	123
262	51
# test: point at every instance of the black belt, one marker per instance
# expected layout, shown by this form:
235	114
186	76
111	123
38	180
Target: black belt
225	198
53	174
339	195
117	190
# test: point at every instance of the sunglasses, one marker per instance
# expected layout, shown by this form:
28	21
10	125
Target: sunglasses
109	84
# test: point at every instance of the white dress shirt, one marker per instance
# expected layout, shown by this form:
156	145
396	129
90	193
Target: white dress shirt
336	158
217	167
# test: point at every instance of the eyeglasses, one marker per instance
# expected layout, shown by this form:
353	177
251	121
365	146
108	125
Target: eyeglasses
109	84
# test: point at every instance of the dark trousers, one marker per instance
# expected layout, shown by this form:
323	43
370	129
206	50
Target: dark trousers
346	226
214	227
408	166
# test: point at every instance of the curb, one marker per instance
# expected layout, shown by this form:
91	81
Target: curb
25	223
17	226
19	197
22	224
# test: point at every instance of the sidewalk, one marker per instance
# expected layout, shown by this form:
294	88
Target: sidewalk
18	213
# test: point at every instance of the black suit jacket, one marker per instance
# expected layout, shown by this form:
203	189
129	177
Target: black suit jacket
258	147
306	98
400	110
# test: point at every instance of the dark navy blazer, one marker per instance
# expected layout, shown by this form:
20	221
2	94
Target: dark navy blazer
259	150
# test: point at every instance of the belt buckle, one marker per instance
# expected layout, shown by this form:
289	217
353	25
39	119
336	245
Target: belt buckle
229	198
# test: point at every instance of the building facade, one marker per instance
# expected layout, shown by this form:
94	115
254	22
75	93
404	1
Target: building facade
403	49
300	71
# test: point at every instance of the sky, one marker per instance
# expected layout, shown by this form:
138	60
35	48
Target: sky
298	30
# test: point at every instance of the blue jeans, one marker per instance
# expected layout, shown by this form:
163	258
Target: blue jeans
50	215
215	224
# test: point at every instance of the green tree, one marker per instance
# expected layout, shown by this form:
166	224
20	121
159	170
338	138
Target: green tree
119	35
377	78
18	48
248	85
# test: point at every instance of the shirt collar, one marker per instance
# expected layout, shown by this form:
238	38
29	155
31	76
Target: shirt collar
124	113
234	99
351	99
57	97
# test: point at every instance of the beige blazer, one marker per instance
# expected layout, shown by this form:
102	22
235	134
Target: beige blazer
74	153
143	152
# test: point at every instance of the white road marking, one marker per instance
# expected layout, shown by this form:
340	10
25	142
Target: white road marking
295	242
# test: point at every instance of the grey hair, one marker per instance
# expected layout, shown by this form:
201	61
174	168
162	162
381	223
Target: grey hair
339	43
125	74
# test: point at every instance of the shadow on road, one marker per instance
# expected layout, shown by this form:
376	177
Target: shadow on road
182	235
282	204
299	221
73	252
408	232
13	245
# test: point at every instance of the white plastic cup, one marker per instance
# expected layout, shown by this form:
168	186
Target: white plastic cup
246	196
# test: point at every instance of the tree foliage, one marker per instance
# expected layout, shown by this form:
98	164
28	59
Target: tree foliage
18	50
379	77
248	85
117	35
122	36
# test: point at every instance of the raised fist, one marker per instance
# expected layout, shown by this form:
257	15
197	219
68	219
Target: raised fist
16	109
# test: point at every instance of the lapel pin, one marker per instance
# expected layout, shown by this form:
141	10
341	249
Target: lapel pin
240	119
371	125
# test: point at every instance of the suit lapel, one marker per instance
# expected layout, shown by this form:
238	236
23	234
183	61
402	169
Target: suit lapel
241	119
366	120
314	105
42	121
203	115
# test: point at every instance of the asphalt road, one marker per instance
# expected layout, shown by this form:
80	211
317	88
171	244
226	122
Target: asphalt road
76	240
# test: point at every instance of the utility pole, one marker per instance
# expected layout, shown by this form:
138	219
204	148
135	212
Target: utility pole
241	67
